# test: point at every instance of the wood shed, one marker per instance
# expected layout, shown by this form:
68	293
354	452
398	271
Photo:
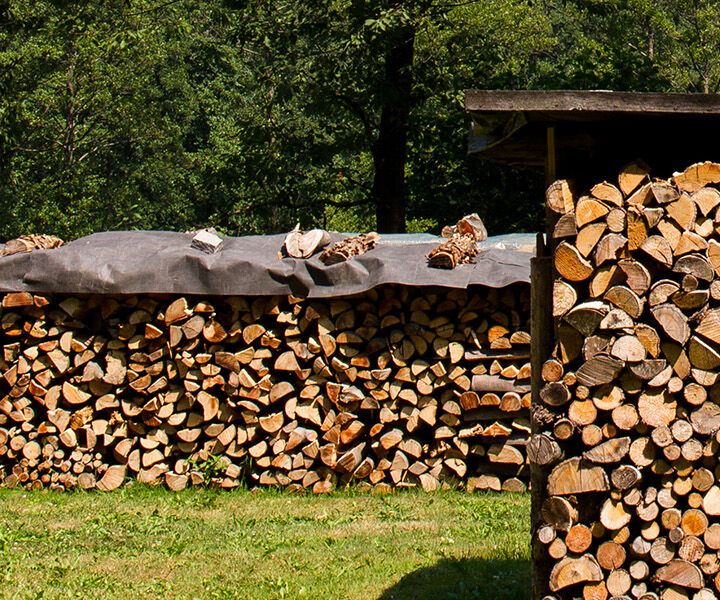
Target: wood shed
625	291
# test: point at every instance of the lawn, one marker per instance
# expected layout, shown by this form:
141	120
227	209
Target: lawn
150	543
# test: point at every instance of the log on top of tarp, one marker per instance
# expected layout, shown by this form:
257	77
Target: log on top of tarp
164	262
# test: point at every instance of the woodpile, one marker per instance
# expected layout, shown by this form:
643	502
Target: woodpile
458	250
394	387
28	243
352	246
626	433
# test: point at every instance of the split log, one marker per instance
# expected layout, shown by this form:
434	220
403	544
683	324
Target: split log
28	243
458	250
570	571
470	225
349	247
559	197
570	263
300	244
575	477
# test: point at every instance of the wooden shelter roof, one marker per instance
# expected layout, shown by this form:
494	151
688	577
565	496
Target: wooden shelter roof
594	132
588	105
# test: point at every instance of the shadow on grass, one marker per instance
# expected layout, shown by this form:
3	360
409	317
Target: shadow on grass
465	579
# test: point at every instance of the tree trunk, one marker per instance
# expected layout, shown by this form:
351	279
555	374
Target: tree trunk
390	151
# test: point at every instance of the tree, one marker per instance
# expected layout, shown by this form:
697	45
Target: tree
685	40
370	69
89	110
252	116
496	44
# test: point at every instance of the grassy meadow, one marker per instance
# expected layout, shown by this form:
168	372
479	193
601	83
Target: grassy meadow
141	542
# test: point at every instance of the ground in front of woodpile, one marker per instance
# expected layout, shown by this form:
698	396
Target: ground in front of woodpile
150	543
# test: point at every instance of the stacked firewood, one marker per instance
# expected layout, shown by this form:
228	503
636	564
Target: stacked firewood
28	243
461	247
394	387
627	427
352	246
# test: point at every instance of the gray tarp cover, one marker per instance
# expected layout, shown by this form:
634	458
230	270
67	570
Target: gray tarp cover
129	262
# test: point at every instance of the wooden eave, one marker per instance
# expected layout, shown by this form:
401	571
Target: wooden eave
591	105
592	132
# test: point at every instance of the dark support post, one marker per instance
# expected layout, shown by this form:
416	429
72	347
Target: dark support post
542	339
550	157
550	177
541	344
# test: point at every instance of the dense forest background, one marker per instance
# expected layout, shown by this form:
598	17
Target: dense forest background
252	115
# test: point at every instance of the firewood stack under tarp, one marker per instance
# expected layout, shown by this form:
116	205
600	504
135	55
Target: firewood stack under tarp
398	386
627	427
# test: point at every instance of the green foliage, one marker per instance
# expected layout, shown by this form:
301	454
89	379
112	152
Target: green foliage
686	38
493	45
252	116
349	219
94	118
421	225
212	467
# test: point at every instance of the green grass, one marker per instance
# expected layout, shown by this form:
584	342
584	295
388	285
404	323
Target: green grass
200	543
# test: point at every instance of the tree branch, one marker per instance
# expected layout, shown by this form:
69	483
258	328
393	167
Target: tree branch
337	203
356	108
353	181
102	146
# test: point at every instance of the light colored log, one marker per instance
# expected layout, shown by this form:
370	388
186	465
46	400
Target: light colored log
112	479
611	451
672	321
697	176
681	573
588	237
574	477
571	571
559	197
564	297
599	370
570	263
632	176
658	248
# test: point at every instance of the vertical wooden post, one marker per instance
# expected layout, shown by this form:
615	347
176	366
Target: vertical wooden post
542	339
550	157
541	343
550	177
